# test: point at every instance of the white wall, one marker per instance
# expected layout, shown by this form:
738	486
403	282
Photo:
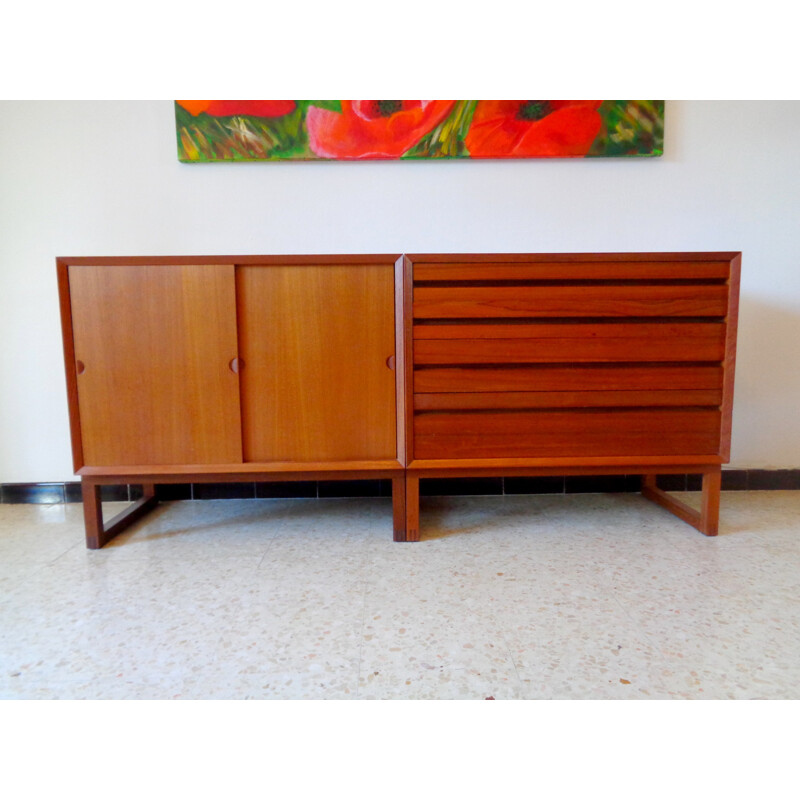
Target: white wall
102	178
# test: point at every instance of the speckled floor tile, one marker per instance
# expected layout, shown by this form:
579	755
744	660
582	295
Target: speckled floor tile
444	636
518	597
570	639
203	529
197	622
50	530
443	682
718	633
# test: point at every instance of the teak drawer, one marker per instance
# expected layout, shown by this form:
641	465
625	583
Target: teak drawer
567	432
576	300
567	377
574	343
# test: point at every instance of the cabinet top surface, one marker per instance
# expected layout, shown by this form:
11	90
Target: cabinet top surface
391	258
726	255
183	260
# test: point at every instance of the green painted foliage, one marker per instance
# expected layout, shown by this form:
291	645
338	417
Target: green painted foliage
629	128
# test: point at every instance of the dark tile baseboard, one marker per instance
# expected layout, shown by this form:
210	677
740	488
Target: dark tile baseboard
33	493
442	487
732	480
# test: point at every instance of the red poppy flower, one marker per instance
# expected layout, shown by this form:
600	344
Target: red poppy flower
373	128
533	128
248	108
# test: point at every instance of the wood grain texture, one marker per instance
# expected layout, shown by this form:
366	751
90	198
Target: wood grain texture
315	341
403	367
408	348
701	343
575	270
729	365
268	471
389	469
645	300
444	401
399	508
92	515
568	258
260	260
709	509
412	508
560	465
156	342
591	432
567	378
71	375
574	329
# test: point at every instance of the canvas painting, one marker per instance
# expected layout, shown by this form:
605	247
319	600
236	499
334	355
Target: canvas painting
352	130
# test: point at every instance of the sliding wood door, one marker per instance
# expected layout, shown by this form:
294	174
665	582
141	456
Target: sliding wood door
317	345
153	349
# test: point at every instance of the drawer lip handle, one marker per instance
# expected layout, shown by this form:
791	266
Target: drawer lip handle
236	365
390	361
80	367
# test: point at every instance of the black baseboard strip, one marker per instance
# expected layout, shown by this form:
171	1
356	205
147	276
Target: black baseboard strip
732	480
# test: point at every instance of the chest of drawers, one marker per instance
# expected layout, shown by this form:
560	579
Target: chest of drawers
571	364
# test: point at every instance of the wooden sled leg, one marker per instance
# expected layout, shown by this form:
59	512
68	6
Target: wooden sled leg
399	508
707	519
412	508
99	533
709	516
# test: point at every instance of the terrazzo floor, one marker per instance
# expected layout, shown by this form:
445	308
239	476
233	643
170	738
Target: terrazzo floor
582	596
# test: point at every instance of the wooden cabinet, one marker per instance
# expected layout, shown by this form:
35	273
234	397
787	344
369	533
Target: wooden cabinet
192	369
564	364
223	369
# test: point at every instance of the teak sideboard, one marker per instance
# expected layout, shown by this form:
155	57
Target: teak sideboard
277	368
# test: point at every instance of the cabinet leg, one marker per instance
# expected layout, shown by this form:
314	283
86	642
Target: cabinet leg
412	508
707	519
399	508
99	533
92	515
709	514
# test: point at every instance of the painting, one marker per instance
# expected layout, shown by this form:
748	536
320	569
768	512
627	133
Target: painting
354	130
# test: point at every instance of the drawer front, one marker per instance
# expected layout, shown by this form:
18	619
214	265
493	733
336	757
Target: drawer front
532	301
567	377
596	358
556	433
571	269
544	343
454	401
